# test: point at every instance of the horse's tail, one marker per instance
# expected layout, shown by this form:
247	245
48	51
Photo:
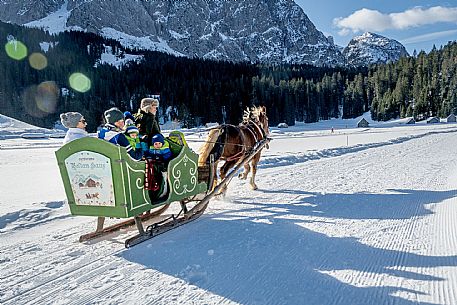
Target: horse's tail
206	149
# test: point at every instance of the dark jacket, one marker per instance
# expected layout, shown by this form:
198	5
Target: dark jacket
113	135
147	124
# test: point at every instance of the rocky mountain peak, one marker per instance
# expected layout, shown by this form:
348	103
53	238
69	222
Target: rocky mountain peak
273	31
370	48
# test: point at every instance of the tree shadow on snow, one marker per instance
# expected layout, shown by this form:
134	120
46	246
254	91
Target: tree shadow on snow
272	259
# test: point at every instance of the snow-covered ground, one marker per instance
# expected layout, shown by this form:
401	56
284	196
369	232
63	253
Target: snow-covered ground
357	216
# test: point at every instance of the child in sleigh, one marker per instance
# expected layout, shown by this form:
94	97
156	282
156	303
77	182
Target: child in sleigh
160	149
157	159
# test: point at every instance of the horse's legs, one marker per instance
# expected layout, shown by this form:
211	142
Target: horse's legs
223	172
254	162
244	174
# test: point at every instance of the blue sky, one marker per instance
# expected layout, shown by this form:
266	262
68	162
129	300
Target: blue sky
417	24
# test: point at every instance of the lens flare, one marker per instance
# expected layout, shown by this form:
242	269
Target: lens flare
16	49
39	101
47	95
80	82
38	61
28	100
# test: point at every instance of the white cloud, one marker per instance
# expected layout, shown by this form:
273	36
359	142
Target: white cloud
428	37
373	20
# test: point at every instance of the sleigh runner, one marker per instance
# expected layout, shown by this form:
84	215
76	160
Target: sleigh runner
101	180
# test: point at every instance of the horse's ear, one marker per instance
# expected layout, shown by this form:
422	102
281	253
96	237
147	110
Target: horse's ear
264	109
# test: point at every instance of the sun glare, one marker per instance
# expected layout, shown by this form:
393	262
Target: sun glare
80	82
38	61
16	49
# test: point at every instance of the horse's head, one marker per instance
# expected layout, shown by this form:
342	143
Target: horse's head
263	120
259	116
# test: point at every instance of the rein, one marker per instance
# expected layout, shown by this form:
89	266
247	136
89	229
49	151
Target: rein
264	135
250	126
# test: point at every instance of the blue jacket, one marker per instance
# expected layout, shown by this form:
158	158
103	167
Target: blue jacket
161	154
114	135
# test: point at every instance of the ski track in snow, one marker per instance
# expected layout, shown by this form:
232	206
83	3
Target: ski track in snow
366	224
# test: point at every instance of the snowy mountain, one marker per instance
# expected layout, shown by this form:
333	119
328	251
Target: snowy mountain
273	31
370	48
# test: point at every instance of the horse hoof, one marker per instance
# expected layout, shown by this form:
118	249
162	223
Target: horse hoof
254	187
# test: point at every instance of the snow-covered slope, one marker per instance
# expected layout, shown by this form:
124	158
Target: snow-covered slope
358	216
274	31
370	48
10	126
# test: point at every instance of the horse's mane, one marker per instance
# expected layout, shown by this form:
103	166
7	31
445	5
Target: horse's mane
251	114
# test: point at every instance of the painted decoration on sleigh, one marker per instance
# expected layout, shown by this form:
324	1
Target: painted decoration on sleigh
185	170
90	178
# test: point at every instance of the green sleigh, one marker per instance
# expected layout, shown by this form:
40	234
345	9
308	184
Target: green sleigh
101	179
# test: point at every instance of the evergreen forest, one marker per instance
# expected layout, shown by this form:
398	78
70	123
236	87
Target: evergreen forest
202	91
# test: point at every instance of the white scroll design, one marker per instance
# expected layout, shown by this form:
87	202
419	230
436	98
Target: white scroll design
182	187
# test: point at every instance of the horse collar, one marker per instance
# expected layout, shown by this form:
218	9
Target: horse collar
262	132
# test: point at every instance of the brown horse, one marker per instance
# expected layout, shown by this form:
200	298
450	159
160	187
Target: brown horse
231	143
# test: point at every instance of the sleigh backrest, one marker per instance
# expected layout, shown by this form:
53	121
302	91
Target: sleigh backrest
101	179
